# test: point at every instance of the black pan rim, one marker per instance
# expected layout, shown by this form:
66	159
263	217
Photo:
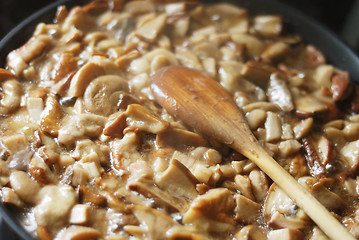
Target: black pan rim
312	32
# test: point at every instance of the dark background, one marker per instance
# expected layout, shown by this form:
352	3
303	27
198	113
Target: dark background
342	17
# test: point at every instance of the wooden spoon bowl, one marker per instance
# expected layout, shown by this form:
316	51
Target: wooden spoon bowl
202	103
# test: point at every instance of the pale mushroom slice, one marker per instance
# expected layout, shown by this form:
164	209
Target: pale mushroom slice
349	154
80	126
250	232
285	234
161	198
55	204
156	223
268	25
178	181
212	211
151	29
247	211
79	233
102	95
281	212
25	187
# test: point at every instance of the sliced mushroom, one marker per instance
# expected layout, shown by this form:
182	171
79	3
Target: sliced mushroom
156	223
178	181
350	153
244	186
9	196
254	46
256	118
183	138
151	29
246	210
51	116
268	25
125	151
266	106
11	96
138	7
78	18
351	130
79	127
141	119
275	51
188	58
323	75
83	77
26	188
314	162
161	198
302	128
35	106
328	198
273	126
90	196
212	211
279	93
79	233
207	50
289	147
250	232
281	212
102	94
80	214
6	74
66	65
259	183
40	171
258	72
225	10
298	166
308	105
18	59
55	206
21	159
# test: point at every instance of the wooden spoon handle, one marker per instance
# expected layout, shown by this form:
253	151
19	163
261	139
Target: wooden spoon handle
204	105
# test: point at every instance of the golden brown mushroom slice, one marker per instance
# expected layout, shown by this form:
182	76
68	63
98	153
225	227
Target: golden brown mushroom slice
212	211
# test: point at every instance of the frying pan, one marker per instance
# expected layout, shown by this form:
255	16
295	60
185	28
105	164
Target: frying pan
312	32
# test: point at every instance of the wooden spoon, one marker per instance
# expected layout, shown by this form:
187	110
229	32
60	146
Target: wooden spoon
203	104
